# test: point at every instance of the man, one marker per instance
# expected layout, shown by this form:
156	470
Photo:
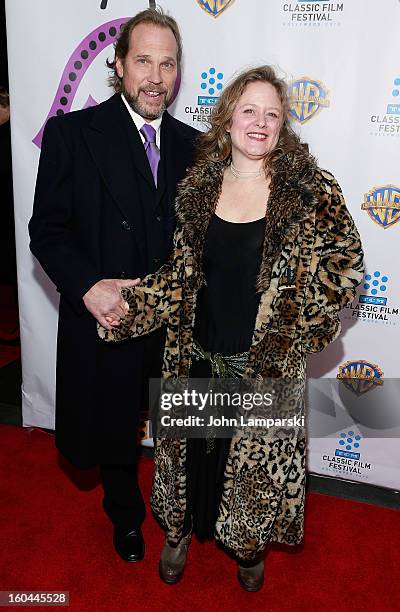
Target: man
104	214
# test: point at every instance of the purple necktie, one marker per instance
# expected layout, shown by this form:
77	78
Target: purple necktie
152	151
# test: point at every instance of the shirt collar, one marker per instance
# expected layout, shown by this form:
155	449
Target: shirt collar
138	119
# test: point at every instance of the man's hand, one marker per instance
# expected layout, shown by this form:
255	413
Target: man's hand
105	303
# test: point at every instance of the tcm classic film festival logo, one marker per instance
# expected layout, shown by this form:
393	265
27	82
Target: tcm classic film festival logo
308	97
360	377
386	122
346	457
374	304
312	13
211	85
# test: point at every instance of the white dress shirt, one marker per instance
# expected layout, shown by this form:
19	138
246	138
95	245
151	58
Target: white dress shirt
139	122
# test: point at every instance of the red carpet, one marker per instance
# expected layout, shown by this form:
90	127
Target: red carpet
55	537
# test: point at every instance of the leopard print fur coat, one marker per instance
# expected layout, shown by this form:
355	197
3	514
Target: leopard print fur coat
311	265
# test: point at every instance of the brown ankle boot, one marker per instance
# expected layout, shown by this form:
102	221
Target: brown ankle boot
251	578
173	560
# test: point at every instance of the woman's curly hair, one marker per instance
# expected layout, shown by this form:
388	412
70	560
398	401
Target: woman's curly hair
215	144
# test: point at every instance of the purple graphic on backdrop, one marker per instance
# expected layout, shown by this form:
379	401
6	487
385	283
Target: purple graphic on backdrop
77	66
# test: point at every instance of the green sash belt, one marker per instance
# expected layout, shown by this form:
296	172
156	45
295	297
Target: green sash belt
222	366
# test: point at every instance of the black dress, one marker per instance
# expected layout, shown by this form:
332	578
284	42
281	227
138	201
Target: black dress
225	317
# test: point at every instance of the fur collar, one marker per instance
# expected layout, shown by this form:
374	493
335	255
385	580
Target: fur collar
291	200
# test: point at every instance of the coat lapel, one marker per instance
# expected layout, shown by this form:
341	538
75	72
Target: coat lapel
137	149
112	141
175	150
195	204
291	200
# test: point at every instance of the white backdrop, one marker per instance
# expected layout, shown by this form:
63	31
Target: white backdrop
342	61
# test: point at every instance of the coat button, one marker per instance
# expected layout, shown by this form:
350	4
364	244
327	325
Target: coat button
156	261
158	218
126	226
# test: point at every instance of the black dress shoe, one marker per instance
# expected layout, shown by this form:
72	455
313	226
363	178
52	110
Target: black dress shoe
129	544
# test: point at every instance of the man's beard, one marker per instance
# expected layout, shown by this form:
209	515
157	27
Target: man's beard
142	109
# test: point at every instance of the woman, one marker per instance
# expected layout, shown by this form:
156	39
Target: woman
265	256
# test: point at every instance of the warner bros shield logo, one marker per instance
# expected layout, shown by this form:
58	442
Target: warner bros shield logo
360	375
383	205
214	7
307	98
